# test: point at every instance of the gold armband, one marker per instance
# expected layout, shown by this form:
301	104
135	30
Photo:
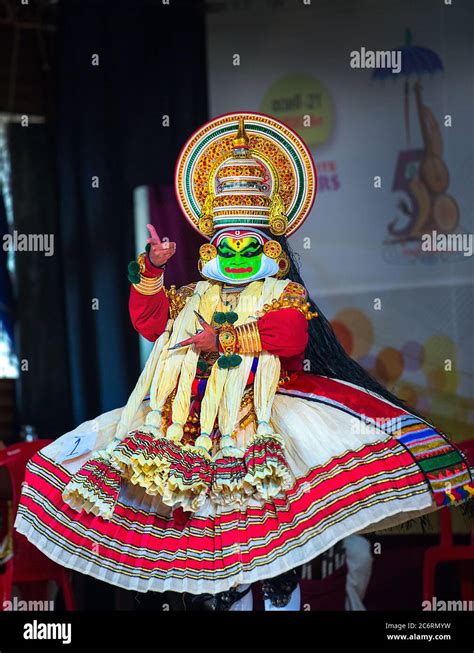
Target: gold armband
147	285
249	338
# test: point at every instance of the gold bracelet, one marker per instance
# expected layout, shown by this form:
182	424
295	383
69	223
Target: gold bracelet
228	340
149	285
249	338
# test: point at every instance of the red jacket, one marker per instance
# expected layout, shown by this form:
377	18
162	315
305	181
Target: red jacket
283	332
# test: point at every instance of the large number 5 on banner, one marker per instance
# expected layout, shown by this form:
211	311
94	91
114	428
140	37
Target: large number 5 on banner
416	212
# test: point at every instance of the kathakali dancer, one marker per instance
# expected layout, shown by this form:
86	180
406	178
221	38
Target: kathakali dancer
251	443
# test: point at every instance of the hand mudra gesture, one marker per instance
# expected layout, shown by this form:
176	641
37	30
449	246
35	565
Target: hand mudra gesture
160	252
205	339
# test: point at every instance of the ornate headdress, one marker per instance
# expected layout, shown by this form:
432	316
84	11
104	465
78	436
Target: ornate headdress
245	171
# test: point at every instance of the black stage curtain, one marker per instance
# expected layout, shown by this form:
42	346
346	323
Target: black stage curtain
44	396
108	137
121	67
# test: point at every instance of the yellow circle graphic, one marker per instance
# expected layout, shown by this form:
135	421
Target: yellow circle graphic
303	103
360	328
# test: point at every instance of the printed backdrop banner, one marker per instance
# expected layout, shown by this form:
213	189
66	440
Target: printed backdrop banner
395	168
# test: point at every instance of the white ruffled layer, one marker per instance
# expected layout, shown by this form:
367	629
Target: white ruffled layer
313	434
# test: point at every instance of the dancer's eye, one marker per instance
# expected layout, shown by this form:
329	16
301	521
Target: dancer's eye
253	252
226	253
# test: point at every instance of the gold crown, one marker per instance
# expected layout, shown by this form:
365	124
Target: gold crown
245	155
242	197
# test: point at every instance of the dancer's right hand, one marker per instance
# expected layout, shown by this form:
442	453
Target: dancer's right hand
160	252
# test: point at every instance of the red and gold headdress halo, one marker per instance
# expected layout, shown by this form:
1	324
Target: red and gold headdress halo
245	170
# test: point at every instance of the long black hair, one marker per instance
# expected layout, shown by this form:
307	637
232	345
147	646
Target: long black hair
324	352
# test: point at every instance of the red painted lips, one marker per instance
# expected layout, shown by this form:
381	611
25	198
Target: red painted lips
238	270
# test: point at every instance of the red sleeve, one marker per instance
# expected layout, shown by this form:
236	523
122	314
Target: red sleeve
149	313
284	332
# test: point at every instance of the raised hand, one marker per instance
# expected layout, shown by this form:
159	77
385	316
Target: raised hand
159	252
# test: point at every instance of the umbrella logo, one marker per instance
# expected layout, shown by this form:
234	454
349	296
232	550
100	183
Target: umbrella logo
421	174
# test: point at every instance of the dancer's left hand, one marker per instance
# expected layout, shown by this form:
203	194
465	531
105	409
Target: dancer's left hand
205	339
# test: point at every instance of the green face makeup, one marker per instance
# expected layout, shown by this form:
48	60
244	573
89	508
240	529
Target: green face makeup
239	258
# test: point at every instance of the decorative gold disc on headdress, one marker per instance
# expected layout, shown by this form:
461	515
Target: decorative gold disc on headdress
207	252
272	249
